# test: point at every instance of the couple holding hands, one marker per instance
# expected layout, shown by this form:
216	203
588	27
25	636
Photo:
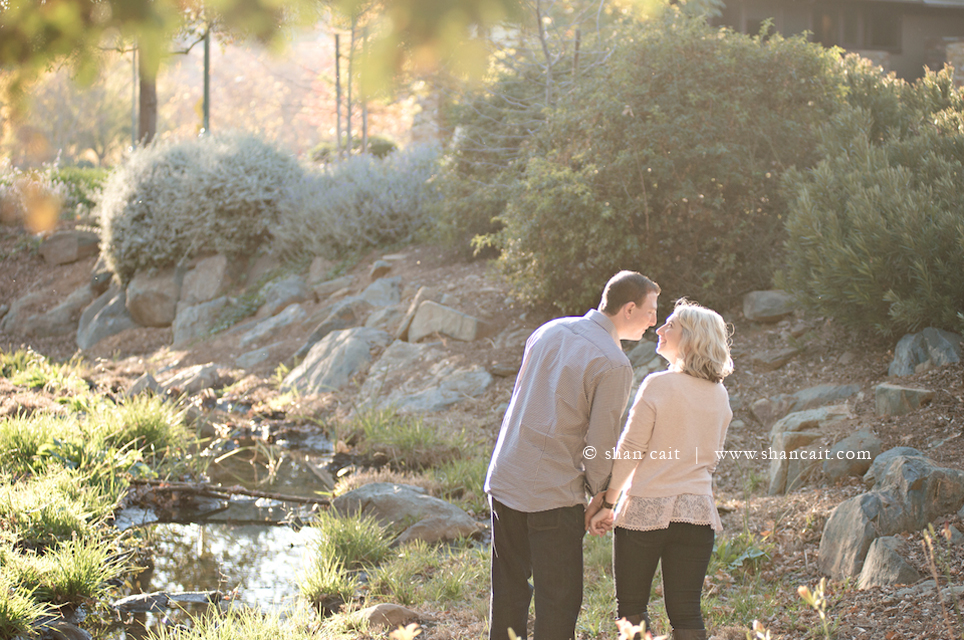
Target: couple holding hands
650	482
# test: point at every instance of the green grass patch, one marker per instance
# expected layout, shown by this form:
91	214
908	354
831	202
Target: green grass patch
405	439
29	369
462	481
18	609
250	624
145	422
355	540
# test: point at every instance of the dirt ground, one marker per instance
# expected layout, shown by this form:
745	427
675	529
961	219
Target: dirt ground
792	524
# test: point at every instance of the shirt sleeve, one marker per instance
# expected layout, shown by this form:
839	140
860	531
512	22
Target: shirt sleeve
605	416
634	442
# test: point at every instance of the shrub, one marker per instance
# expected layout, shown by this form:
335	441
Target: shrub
172	201
378	146
666	161
360	203
876	237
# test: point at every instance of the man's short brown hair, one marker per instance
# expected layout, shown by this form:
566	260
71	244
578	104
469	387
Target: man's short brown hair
625	286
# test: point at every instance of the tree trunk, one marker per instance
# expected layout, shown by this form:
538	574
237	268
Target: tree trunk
147	121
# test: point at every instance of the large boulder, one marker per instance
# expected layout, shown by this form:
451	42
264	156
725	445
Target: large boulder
884	565
852	456
152	297
283	293
910	492
344	314
269	326
62	320
769	410
432	318
384	292
69	245
415	378
768	306
407	510
104	317
333	361
895	400
209	279
22	309
924	350
195	321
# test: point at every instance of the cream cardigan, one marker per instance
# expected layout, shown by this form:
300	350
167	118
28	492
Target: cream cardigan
668	448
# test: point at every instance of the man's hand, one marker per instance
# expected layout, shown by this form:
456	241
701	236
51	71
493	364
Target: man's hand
593	507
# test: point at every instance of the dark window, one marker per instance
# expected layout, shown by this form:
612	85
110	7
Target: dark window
883	30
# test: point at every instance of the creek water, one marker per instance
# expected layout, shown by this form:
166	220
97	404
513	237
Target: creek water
249	549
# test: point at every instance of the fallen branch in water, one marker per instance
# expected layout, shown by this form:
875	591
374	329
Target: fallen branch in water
202	489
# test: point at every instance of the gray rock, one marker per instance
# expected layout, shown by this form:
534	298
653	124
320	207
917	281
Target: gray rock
923	350
783	452
881	461
333	361
847	536
193	380
63	319
152	298
344	314
417	378
4	308
768	306
23	308
895	400
804	466
400	506
955	536
423	293
810	419
884	565
144	384
209	279
771	360
769	410
252	358
386	319
100	277
324	289
910	492
319	270
195	321
379	269
858	450
104	317
432	318
291	314
281	294
71	245
384	292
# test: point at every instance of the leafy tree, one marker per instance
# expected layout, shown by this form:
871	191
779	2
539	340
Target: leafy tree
666	160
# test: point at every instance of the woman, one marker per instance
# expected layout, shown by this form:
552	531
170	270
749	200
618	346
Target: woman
664	463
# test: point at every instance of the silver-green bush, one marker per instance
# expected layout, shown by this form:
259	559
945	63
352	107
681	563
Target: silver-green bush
172	201
361	203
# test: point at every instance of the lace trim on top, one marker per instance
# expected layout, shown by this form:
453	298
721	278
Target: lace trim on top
649	514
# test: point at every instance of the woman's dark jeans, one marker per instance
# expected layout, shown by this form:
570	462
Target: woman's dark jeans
546	545
684	550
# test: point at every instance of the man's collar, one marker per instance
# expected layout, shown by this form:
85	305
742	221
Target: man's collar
603	321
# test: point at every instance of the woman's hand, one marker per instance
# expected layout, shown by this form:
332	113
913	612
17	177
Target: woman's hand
601	523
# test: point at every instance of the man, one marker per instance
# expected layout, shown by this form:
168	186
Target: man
564	416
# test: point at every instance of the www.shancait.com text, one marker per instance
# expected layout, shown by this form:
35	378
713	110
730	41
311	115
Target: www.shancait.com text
763	454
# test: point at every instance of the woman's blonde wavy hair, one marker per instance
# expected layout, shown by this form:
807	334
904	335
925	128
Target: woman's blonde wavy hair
704	346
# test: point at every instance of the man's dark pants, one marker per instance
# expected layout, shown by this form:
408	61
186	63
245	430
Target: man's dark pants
546	545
